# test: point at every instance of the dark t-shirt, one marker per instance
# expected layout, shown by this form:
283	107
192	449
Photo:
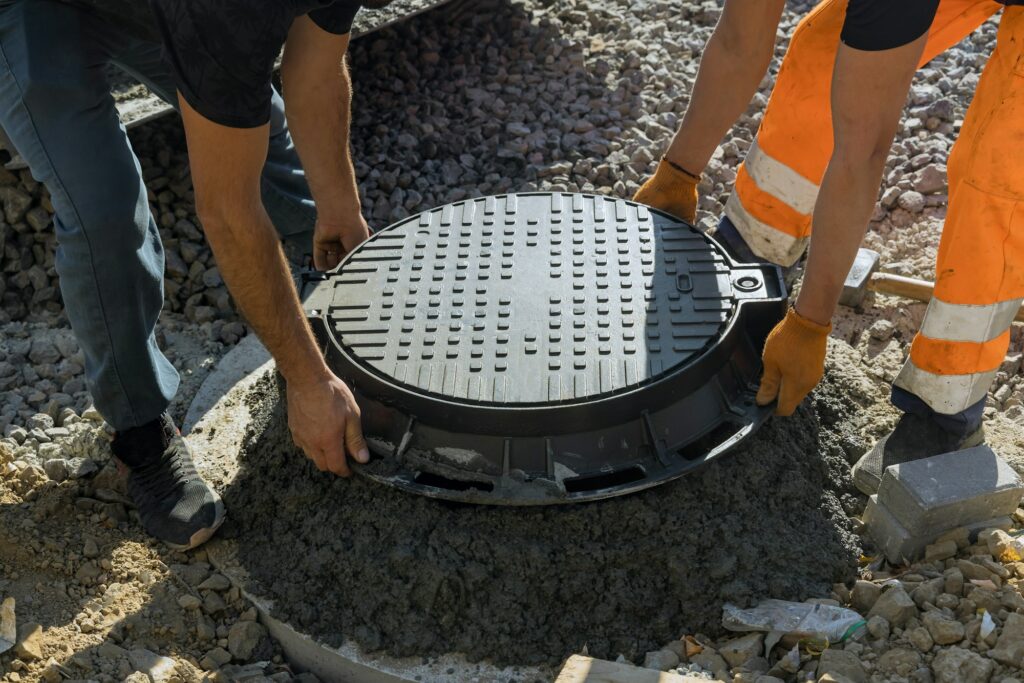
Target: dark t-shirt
222	52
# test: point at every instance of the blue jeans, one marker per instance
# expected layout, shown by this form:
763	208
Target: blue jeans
56	106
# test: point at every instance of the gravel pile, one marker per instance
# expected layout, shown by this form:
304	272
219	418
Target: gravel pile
956	616
573	95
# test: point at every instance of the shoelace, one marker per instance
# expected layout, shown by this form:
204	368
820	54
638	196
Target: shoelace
171	472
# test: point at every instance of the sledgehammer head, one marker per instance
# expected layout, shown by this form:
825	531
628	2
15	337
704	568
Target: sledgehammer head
856	286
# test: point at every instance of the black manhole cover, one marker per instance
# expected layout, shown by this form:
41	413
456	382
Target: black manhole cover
544	348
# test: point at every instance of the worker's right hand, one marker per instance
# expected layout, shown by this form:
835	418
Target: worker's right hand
324	420
672	190
794	362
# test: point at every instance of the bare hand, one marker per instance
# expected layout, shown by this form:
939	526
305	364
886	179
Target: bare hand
333	240
324	421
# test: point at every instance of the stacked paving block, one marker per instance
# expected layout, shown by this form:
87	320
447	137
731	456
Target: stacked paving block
918	501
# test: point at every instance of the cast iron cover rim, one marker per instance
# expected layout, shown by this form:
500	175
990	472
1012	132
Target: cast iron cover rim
464	282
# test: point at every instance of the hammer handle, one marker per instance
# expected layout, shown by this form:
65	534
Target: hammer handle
911	288
906	287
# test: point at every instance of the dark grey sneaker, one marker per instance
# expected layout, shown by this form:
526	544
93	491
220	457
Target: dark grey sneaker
913	438
174	504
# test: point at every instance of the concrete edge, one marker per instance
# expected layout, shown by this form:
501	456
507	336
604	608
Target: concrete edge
236	365
217	423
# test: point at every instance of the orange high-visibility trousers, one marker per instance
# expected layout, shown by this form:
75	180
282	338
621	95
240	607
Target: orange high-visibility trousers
979	273
980	266
777	184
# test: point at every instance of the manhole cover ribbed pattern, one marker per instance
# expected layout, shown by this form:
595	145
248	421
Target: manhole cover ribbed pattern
530	299
545	347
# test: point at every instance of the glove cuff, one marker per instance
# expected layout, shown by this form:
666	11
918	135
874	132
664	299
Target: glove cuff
690	177
807	326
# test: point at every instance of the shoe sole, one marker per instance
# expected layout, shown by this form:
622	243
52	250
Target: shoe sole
203	535
867	483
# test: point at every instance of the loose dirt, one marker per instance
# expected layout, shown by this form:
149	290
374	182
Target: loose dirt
412	576
107	597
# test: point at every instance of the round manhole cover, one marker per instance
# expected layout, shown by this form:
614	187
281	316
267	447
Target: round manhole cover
541	348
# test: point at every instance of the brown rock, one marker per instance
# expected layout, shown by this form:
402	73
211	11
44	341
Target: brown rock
954	581
244	638
984	599
972	571
921	639
739	650
216	582
956	665
712	662
863	595
51	674
661	660
943	630
940	551
927	592
29	647
899	661
895	606
218	657
1001	545
841	665
1009	648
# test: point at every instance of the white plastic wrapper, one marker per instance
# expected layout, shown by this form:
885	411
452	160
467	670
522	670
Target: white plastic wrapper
797	618
987	625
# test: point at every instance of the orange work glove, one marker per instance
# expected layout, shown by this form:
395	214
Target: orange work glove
672	189
794	362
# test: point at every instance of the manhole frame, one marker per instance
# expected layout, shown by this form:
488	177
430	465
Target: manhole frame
723	370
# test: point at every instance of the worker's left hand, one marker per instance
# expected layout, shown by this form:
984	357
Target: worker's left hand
334	239
794	362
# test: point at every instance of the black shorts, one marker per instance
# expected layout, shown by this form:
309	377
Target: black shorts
886	24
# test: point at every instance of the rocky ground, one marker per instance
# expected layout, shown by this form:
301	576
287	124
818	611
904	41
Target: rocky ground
956	616
528	95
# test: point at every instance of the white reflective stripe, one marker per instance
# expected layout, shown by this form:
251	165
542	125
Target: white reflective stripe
780	181
967	322
764	240
946	394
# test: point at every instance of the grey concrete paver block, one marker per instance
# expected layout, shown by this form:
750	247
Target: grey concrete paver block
898	543
949	490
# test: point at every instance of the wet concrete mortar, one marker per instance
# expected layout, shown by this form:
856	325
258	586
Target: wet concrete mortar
413	576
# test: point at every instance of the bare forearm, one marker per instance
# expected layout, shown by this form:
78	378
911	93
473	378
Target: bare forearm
320	128
254	269
868	92
844	206
318	99
734	62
